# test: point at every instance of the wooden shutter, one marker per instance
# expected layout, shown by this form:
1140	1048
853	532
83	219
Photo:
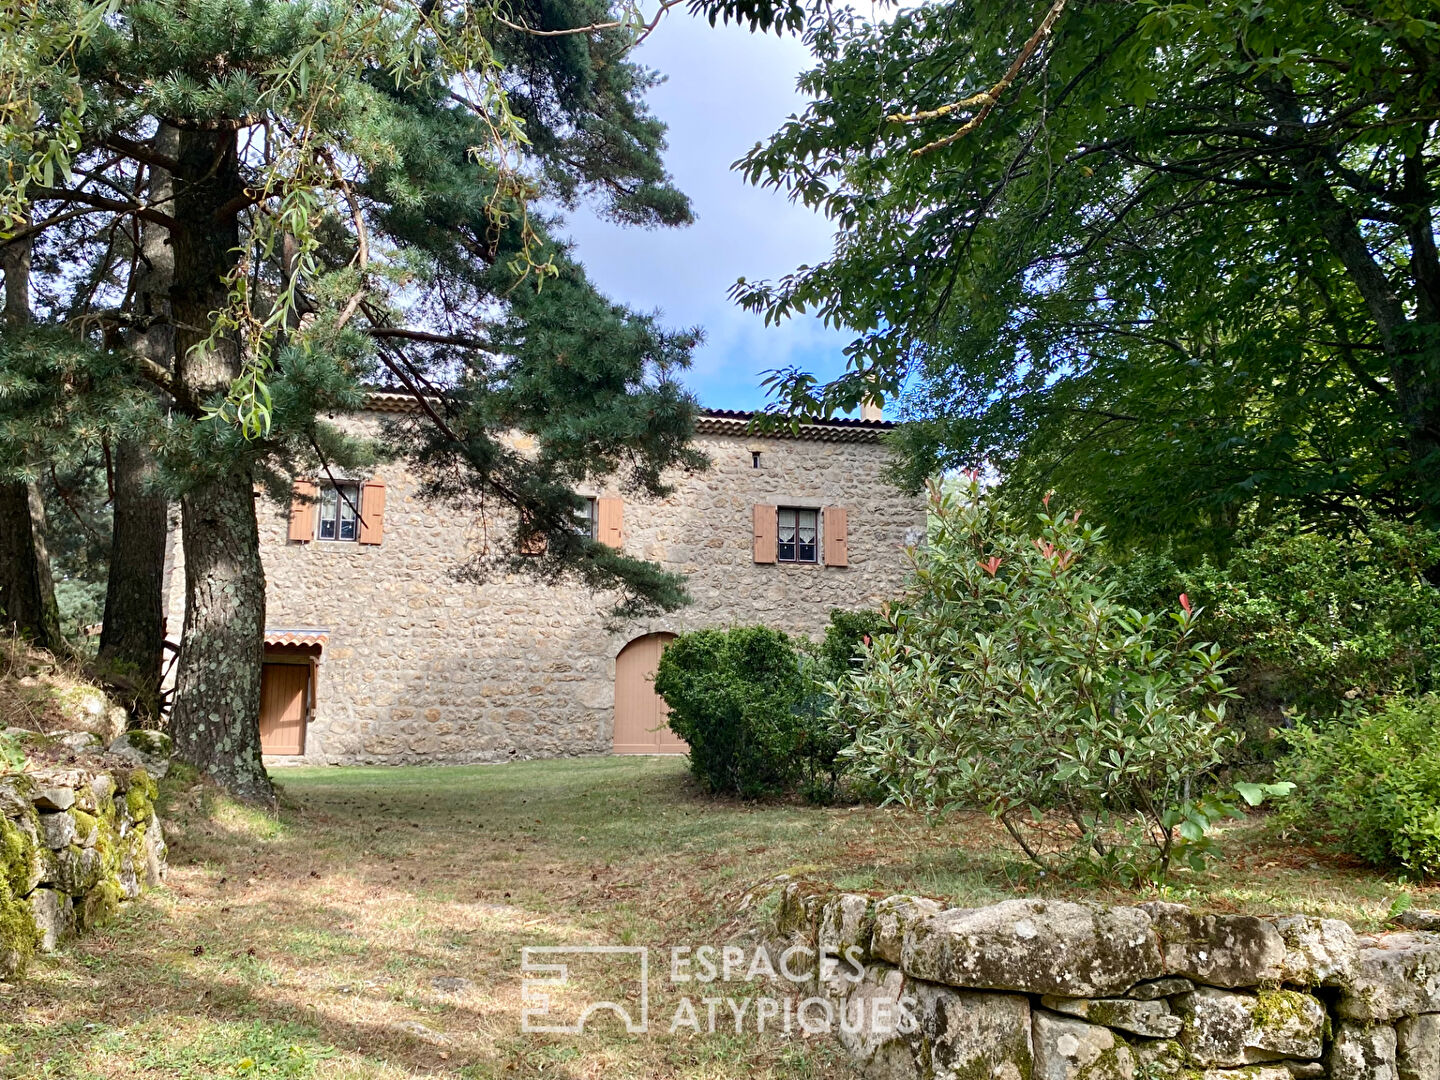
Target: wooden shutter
837	545
302	511
766	534
610	522
372	512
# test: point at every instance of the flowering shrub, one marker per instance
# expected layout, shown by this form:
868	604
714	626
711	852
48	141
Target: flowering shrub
1015	681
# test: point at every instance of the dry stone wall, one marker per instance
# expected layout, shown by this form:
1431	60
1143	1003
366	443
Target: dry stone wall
1053	990
75	843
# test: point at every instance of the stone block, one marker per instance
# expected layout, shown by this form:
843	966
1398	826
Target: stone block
1318	952
156	853
964	1034
1362	1051
844	922
1035	947
1218	950
17	795
1071	1049
1417	1047
1160	988
1419	919
53	797
1224	1028
54	915
1152	1019
1394	975
73	870
58	830
893	916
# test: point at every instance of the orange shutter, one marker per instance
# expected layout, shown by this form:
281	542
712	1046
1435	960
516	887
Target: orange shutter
837	545
610	522
766	534
372	512
302	511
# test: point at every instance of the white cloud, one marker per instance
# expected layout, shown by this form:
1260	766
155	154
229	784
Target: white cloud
727	89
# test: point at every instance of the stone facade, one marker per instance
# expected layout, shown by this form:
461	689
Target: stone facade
1054	990
418	666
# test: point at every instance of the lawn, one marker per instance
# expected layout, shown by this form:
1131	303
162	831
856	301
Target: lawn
374	929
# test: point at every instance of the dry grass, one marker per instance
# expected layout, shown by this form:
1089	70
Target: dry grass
307	945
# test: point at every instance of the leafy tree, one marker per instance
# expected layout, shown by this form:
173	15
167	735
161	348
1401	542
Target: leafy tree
344	192
1184	260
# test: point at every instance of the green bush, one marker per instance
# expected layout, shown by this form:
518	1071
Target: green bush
753	705
1015	681
1371	786
735	696
1312	623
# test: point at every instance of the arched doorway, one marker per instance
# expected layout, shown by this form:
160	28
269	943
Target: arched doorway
639	711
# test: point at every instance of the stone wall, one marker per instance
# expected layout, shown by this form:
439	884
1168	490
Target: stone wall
1053	990
421	667
75	843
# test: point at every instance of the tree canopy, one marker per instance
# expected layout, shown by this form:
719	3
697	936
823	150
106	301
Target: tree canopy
1183	262
242	215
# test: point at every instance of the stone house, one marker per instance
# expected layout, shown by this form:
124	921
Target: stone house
377	653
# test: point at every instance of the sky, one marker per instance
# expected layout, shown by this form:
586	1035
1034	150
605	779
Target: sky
726	90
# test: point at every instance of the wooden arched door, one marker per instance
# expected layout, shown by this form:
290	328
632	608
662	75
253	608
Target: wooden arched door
639	711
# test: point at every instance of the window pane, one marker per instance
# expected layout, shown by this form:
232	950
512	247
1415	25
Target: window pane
328	502
807	525
594	511
349	502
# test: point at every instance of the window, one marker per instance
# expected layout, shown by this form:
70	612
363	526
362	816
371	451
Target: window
799	532
339	506
754	459
591	526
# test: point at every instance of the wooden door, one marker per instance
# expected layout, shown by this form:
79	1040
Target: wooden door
639	711
284	698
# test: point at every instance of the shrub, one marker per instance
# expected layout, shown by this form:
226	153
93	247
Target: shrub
735	696
1311	622
1015	681
1371	786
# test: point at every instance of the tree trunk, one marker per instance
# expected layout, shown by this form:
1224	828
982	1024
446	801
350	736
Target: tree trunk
27	592
216	720
132	635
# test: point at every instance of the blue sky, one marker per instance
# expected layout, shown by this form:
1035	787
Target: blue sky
726	90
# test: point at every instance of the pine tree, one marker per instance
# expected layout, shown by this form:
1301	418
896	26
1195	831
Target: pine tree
352	203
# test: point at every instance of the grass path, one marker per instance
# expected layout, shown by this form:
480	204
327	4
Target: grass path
329	942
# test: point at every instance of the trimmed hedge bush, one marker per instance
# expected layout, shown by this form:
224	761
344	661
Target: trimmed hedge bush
735	697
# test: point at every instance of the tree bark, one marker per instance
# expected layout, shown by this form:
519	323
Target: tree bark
27	591
216	720
133	634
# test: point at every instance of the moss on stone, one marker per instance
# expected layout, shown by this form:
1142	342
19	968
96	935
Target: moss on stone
140	795
156	743
19	937
100	904
1278	1009
17	854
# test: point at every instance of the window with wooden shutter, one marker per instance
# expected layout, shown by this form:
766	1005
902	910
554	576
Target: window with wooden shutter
372	512
302	512
837	544
610	522
765	530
